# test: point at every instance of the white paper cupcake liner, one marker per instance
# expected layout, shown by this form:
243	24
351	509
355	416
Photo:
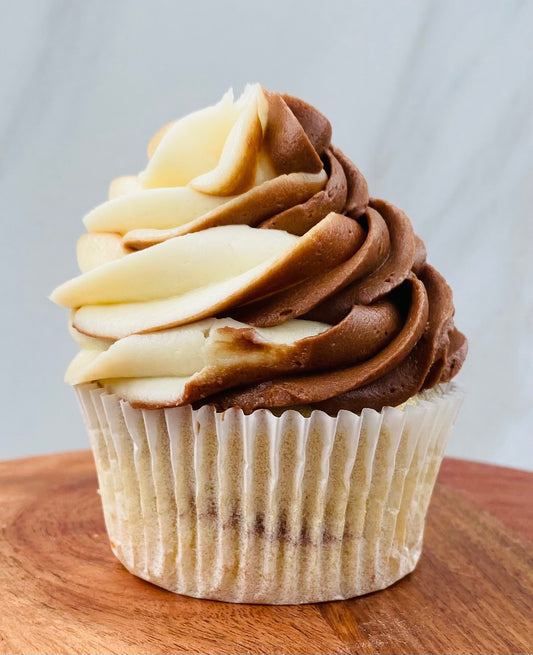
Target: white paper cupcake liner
265	509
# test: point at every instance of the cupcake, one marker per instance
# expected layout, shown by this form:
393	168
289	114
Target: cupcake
265	362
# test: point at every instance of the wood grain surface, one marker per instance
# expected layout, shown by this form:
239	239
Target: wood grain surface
64	592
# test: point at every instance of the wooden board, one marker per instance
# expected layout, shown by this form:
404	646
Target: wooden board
63	591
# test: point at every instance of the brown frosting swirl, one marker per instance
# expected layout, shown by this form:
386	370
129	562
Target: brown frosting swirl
392	313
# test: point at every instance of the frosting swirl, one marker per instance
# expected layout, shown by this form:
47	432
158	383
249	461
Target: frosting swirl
247	266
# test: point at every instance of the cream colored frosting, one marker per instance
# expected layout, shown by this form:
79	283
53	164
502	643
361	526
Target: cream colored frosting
128	303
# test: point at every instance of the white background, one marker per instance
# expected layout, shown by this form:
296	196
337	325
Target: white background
432	100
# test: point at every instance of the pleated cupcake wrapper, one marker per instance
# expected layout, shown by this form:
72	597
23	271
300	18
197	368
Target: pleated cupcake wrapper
266	509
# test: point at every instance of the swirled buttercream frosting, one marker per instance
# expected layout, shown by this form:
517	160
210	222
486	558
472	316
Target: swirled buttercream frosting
248	267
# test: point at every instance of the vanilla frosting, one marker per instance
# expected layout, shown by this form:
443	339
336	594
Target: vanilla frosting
246	266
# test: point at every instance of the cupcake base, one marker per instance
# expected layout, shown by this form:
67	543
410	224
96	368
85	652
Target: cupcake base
265	509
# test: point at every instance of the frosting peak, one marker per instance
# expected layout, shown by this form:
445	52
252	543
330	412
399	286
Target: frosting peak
247	266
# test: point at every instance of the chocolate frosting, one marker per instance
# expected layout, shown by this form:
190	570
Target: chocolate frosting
392	313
